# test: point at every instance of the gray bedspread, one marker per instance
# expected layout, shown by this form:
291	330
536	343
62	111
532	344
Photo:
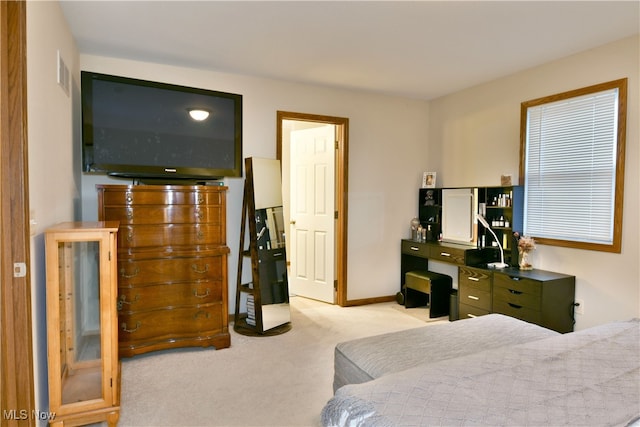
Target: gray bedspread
364	359
585	378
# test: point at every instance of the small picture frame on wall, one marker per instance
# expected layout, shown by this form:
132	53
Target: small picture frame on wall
429	180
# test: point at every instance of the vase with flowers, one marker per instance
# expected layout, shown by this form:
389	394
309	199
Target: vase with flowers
525	246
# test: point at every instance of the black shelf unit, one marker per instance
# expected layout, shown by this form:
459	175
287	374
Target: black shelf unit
502	207
430	211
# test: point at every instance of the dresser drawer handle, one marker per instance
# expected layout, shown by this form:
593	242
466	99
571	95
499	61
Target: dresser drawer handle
199	235
413	248
124	274
514	292
199	270
123	300
124	327
200	198
471	315
514	278
473	297
197	295
277	254
199	215
445	254
130	236
473	279
201	313
515	306
128	197
129	214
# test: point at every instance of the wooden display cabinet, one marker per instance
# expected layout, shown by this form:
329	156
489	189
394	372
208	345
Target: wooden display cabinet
82	332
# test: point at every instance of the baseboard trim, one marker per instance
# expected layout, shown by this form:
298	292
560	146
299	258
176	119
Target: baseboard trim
349	303
366	301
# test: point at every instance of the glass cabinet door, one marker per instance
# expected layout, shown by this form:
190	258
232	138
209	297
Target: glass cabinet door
80	347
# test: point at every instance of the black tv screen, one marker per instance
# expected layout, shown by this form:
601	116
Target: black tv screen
142	129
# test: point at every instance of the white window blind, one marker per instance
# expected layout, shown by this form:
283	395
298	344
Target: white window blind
570	168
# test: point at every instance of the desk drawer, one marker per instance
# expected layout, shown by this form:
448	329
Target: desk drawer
517	311
474	278
446	254
475	297
415	248
517	298
467	311
518	284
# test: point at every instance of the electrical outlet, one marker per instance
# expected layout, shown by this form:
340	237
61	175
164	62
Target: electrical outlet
579	306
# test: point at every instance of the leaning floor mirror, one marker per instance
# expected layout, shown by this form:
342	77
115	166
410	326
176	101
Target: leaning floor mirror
267	295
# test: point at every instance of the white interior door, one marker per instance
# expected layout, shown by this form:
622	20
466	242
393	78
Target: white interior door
312	209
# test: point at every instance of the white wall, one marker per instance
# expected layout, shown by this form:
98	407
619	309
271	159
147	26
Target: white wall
474	137
54	168
387	138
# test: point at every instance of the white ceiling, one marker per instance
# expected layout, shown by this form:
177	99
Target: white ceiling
419	49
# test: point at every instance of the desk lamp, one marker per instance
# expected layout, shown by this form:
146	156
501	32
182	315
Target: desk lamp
500	264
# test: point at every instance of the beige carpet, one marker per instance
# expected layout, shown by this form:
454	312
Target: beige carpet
283	380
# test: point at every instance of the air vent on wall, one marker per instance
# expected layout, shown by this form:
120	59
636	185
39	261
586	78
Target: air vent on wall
63	75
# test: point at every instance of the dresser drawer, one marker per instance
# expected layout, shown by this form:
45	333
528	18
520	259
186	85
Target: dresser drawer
467	311
415	248
173	214
170	323
517	311
517	284
161	195
134	236
151	297
446	254
171	270
474	278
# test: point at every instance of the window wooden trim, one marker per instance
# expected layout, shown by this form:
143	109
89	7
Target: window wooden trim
621	85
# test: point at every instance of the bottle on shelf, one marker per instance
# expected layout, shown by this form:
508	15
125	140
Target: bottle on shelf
415	222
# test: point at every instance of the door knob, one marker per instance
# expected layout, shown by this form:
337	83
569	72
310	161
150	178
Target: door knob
292	222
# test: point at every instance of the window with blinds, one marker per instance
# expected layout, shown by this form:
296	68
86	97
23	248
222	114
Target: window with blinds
573	164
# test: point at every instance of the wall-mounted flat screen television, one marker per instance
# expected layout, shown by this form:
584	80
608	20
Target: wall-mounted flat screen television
145	130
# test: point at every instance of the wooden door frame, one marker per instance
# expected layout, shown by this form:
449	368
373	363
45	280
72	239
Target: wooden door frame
342	173
16	348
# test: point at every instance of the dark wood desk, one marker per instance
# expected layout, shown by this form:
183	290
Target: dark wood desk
542	297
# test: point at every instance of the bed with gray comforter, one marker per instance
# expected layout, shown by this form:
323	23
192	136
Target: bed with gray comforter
590	377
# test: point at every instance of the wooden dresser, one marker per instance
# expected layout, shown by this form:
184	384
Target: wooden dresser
172	265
